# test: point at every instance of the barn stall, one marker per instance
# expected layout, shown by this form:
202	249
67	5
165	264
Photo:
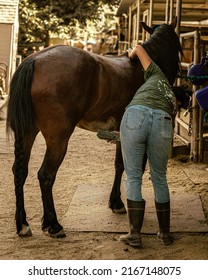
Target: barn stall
192	27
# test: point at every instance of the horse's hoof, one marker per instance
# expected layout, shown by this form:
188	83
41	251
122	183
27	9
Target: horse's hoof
60	234
120	211
25	231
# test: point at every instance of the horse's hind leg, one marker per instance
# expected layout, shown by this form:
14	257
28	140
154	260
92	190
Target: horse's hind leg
20	170
55	152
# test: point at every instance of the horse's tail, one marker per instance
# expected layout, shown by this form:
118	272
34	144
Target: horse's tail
20	118
20	112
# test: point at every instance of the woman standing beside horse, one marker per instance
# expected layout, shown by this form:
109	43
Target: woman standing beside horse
147	128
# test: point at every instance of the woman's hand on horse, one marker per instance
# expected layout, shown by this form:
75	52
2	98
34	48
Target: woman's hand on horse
132	53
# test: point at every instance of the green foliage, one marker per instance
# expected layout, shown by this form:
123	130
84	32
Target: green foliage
40	18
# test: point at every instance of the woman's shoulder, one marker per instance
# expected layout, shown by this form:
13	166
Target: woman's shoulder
152	70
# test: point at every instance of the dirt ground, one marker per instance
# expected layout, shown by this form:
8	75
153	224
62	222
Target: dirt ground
88	161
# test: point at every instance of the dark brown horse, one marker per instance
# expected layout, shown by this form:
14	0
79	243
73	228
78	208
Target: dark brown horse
62	87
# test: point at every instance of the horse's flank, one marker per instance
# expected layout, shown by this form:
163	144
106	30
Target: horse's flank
88	89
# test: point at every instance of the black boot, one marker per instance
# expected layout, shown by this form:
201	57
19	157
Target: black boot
163	215
136	216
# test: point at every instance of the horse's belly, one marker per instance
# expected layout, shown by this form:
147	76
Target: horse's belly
110	124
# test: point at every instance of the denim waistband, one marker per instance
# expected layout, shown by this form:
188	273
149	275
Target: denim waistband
150	110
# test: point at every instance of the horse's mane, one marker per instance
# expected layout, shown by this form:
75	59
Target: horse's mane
164	47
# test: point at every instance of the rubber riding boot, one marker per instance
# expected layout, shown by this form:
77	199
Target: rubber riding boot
163	215
136	211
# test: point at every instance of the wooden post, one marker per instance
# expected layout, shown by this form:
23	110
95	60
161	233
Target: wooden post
167	9
171	10
195	123
129	26
178	14
151	12
195	136
201	123
138	21
201	139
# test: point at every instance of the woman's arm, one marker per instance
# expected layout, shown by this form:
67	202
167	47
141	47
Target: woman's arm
140	52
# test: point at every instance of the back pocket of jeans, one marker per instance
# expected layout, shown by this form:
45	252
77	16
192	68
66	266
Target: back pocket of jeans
166	127
134	118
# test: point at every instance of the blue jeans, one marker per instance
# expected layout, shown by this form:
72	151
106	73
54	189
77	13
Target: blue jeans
144	129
